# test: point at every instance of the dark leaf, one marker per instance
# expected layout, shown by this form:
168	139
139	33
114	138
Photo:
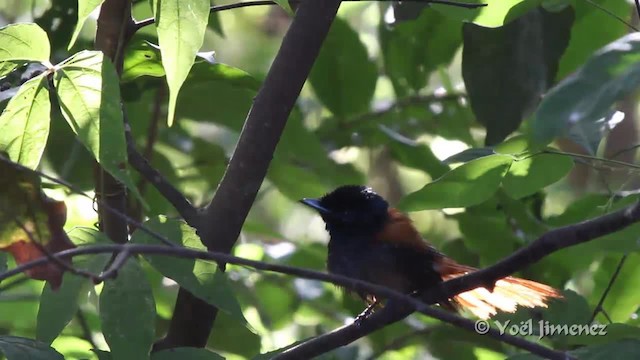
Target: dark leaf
507	69
343	77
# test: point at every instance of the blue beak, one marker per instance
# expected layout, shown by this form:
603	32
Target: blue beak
315	204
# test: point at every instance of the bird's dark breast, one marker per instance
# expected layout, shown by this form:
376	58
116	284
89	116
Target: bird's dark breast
400	268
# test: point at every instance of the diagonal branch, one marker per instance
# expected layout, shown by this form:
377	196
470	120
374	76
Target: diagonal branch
154	177
221	221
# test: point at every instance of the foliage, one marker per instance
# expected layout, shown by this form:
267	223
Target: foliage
456	115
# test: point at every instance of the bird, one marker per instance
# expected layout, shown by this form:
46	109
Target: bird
373	242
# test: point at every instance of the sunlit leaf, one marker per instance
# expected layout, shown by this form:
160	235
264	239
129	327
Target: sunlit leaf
128	312
89	94
532	173
24	42
85	8
180	35
466	185
141	59
19	348
24	124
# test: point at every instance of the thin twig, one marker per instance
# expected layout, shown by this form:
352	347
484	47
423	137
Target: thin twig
608	12
599	307
86	330
180	202
216	8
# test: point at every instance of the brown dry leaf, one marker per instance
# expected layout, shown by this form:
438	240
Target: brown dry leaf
31	224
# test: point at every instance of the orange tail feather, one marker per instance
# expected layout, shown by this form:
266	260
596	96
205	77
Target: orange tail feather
507	295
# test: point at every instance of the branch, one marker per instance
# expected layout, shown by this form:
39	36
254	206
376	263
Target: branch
146	22
221	222
598	309
154	177
546	244
400	305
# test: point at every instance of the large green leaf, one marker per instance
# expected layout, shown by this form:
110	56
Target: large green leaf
180	35
532	173
18	348
343	76
128	313
26	42
57	308
200	277
507	69
466	185
412	50
89	94
588	95
621	301
85	8
24	124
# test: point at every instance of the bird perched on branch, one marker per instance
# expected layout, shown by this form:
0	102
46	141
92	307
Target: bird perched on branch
373	242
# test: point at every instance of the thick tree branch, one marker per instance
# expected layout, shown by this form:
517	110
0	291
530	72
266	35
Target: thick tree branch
113	22
222	220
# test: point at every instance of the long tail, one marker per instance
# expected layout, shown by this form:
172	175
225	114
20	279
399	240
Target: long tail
507	294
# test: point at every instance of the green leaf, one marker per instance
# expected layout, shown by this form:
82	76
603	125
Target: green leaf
128	313
200	277
8	66
415	155
85	8
530	174
89	94
285	5
626	349
141	59
27	42
489	234
57	308
466	185
620	303
522	57
180	35
468	155
24	124
584	41
409	59
343	77
588	95
18	348
186	353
